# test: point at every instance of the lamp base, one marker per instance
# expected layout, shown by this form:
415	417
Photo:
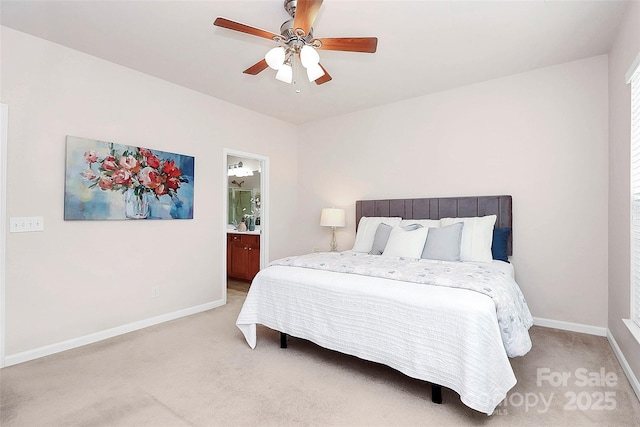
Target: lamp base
334	243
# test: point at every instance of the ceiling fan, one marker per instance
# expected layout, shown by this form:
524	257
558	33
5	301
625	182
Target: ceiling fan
297	44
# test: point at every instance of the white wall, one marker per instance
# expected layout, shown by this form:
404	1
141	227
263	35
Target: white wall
81	277
624	51
540	136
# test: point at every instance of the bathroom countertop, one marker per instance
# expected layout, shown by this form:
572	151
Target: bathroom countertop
233	231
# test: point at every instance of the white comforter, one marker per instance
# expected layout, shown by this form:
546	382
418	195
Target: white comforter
447	336
512	312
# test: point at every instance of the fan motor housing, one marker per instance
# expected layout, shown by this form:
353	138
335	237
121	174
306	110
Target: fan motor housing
288	32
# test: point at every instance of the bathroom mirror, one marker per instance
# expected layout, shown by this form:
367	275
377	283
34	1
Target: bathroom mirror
244	189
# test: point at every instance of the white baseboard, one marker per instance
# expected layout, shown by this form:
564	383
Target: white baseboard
102	335
635	385
568	326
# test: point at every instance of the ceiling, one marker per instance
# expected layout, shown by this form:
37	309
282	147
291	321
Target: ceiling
423	46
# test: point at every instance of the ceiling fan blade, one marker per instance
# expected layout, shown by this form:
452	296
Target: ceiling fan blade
256	68
236	26
350	44
306	12
323	79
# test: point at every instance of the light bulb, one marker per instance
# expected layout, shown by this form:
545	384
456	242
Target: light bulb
275	57
309	56
315	72
285	73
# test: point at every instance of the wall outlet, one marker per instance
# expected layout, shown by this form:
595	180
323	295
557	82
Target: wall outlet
316	250
155	292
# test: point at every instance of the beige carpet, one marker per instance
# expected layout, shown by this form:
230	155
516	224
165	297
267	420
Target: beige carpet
199	371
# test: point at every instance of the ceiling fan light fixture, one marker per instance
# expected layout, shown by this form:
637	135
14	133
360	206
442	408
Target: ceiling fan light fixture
285	73
296	43
275	57
309	56
314	72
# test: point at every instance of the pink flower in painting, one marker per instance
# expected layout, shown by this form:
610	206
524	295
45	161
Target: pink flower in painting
153	161
161	190
105	183
89	175
149	177
109	163
130	163
91	156
122	177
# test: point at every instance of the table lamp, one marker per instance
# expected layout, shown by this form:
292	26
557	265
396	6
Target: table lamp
332	217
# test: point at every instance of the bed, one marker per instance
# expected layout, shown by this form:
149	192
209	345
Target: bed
453	324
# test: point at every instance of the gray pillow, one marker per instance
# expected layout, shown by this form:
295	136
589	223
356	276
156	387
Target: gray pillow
380	239
443	243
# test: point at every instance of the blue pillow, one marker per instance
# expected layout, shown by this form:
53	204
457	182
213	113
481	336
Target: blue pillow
500	244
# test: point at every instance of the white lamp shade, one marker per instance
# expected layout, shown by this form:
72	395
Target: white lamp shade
285	74
332	217
275	58
315	72
309	56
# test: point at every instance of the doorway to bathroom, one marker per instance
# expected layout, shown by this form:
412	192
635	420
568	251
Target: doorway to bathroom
246	218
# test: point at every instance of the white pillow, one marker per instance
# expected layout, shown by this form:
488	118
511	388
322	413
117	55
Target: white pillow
433	223
405	243
367	231
477	235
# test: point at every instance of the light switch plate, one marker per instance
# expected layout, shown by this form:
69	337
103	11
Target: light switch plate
26	224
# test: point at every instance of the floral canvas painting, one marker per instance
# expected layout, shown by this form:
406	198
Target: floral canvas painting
105	180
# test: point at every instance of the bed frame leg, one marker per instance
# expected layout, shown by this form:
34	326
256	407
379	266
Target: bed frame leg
283	340
436	393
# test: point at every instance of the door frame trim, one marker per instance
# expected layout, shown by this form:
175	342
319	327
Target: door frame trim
4	125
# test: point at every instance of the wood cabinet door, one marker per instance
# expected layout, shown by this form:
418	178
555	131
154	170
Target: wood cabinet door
254	261
238	258
243	256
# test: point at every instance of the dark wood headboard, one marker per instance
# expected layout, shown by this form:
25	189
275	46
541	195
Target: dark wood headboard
441	207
